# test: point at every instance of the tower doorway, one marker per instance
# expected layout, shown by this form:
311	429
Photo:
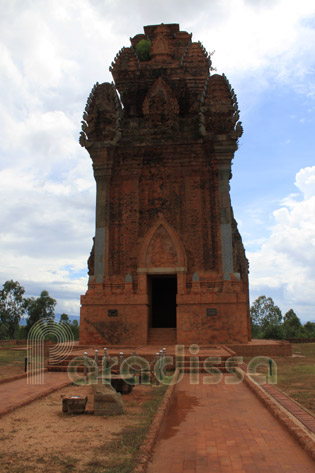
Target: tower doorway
163	301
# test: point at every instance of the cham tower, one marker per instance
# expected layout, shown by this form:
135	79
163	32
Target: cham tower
167	255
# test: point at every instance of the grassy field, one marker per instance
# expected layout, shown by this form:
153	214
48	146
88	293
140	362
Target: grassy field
11	363
296	375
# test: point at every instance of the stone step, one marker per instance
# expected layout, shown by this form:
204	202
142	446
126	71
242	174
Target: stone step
162	336
61	368
186	369
201	364
185	360
186	363
222	369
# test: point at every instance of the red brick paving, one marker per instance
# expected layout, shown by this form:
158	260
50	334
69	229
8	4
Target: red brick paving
18	393
241	436
224	428
307	419
303	416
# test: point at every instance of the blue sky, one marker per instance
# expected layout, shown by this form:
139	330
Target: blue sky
51	54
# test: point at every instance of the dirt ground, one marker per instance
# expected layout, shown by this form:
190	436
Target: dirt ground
41	438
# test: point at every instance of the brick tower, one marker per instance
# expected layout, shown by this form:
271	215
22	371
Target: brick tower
167	254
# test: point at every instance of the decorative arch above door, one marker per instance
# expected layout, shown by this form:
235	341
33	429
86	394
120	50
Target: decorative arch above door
162	250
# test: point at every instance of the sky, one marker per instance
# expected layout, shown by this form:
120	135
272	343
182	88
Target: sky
51	54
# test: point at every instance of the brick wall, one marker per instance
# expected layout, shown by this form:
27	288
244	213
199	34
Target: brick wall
162	155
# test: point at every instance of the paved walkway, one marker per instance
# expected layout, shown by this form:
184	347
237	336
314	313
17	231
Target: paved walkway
210	428
224	428
307	419
18	393
298	412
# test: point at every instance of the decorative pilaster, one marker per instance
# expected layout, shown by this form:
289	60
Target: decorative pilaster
225	220
102	163
99	251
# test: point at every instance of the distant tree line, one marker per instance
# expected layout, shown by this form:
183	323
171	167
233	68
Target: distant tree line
14	306
266	318
267	322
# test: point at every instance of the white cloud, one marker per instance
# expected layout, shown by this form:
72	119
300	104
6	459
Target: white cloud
41	134
46	231
305	181
285	263
260	45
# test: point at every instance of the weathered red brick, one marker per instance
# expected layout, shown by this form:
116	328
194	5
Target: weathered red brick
162	157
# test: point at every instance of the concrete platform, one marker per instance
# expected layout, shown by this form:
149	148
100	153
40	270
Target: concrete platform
255	347
151	350
262	348
185	358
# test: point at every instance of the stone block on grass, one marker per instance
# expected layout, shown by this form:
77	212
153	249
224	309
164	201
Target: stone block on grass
74	404
107	402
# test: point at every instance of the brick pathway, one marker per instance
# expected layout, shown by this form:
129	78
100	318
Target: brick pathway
224	428
18	393
303	416
291	406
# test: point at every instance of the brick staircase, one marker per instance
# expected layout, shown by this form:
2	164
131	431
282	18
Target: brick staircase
162	336
189	365
185	361
63	365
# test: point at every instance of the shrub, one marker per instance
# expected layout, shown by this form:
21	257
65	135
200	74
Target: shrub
143	50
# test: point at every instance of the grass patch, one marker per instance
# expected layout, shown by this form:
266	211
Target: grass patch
296	375
67	463
304	349
118	456
11	363
8	357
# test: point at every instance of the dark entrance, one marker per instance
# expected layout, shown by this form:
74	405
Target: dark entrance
163	301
